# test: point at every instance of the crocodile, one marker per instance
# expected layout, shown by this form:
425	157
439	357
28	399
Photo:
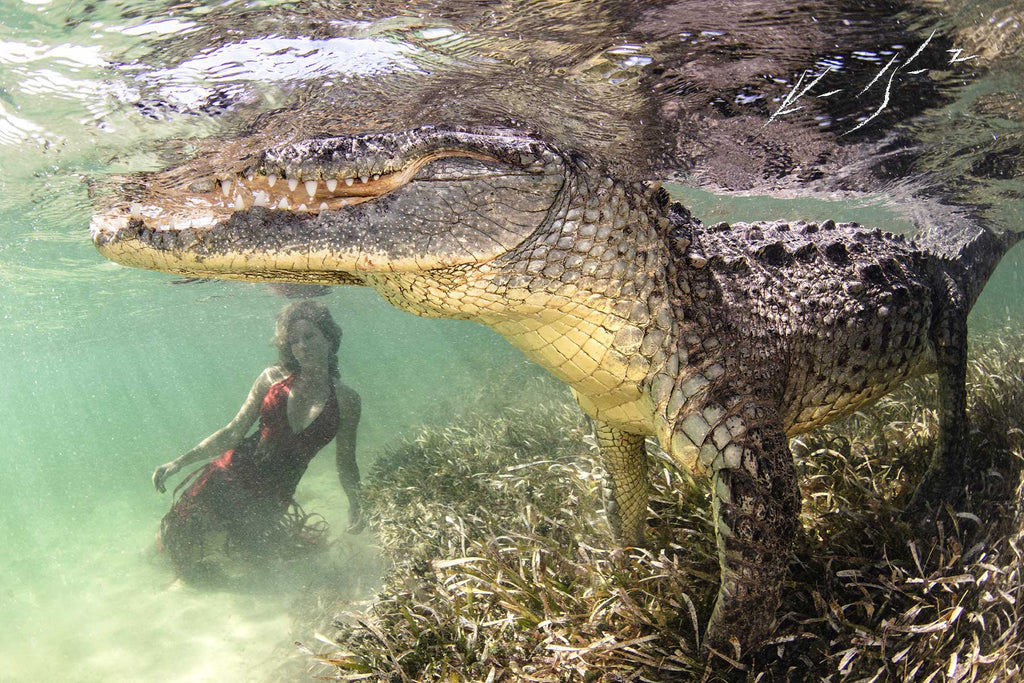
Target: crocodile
719	341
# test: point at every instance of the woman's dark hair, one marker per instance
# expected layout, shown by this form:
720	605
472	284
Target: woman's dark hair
317	314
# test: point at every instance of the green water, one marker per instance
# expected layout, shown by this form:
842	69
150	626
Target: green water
139	374
107	372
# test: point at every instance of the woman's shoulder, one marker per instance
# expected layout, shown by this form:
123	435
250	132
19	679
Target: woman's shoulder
271	376
261	387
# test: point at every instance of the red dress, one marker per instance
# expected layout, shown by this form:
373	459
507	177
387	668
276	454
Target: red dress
246	492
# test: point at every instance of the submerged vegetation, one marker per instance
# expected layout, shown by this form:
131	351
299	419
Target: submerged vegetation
502	567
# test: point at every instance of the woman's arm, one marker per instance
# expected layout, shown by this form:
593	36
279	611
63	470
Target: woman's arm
349	409
225	437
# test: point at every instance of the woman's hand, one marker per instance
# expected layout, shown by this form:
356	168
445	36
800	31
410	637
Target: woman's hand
161	473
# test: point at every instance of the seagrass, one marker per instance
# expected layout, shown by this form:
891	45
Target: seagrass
502	567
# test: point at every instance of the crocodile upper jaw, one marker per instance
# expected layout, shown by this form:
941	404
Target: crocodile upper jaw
331	210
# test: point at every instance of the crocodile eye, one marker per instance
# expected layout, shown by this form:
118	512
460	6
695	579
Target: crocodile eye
456	168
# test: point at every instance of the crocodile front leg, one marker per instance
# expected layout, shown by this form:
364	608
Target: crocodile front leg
756	506
625	496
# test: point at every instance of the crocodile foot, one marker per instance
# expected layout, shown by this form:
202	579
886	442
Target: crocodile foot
939	487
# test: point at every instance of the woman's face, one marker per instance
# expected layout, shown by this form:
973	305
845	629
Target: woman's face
308	343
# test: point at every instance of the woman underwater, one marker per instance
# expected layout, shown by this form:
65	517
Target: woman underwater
241	503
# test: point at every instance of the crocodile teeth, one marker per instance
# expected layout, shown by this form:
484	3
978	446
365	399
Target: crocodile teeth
248	189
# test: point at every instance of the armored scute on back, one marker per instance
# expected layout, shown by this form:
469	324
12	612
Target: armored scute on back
848	309
721	342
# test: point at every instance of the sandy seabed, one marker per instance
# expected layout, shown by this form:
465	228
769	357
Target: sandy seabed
94	602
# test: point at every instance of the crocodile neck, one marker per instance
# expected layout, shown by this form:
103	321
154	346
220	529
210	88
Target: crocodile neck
588	297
